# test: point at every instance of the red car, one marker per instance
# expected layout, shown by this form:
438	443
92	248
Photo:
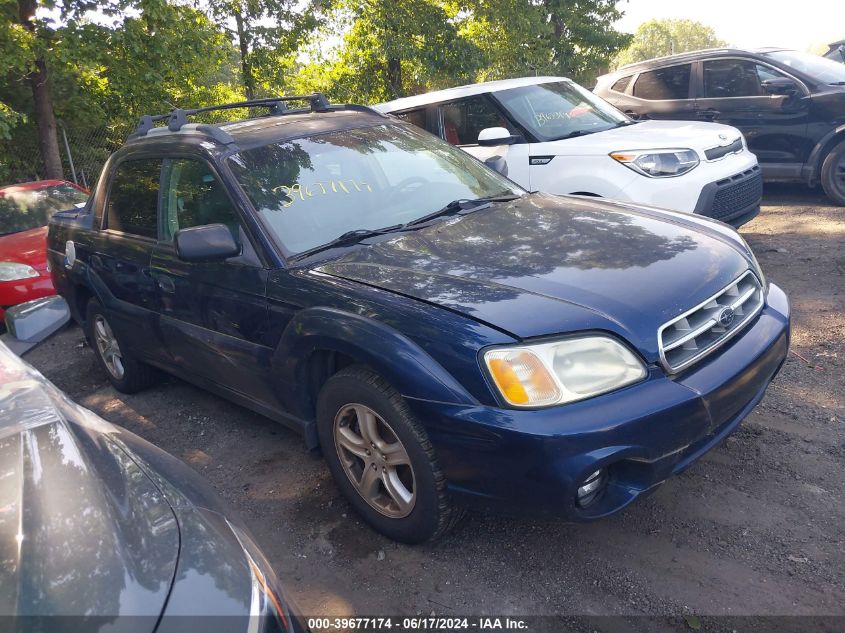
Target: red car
25	210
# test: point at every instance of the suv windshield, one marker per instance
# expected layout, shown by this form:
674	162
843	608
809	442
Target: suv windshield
821	69
309	191
23	209
559	110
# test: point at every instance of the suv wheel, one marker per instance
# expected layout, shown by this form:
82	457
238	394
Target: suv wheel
833	174
381	457
124	372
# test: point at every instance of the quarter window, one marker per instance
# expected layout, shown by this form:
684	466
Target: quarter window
725	78
621	85
133	199
664	83
464	120
415	117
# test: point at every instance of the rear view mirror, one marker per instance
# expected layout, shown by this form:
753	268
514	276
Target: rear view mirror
206	243
780	86
492	136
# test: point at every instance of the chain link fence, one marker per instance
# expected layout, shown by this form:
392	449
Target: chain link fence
83	151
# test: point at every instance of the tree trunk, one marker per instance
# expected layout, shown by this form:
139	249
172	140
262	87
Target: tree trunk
394	76
45	119
246	67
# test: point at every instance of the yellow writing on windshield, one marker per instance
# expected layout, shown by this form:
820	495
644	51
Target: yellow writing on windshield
298	191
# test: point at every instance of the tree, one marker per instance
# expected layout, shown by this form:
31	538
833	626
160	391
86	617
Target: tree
262	29
657	38
575	38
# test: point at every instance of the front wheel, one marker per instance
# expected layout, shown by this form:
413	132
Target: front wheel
381	457
833	174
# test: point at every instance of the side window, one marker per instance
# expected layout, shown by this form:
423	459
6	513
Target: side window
415	117
725	78
621	85
664	83
192	197
132	205
463	120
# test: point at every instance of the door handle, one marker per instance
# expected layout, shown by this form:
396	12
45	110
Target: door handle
709	114
166	284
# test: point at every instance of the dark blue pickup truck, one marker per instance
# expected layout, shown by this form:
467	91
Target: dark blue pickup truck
447	339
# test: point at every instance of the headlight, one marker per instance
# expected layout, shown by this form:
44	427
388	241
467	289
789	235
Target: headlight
563	371
12	271
663	163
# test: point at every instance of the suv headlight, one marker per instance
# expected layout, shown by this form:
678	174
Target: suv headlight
12	271
547	374
664	163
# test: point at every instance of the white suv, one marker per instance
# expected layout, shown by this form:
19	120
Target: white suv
550	134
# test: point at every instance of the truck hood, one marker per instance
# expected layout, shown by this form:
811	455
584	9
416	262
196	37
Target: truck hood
83	531
544	265
645	135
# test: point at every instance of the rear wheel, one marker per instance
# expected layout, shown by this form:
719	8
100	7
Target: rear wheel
833	174
125	373
381	457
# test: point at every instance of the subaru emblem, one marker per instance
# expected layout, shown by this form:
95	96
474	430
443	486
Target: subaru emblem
726	317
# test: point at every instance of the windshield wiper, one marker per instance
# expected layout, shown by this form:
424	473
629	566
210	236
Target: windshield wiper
462	204
350	237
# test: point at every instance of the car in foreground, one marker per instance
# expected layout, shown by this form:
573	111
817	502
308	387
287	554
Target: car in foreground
25	210
789	105
99	528
446	338
552	135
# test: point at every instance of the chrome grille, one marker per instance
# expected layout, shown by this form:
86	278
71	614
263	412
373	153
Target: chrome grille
697	332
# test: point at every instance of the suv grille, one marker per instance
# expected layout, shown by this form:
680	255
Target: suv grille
691	336
715	153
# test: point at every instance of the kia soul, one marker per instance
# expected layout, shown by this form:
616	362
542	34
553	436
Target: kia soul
447	339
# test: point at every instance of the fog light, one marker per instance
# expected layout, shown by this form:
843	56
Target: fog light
591	488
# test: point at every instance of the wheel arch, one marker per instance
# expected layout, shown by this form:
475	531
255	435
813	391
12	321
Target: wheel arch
318	342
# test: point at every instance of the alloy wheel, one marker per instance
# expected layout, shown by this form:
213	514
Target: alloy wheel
108	347
375	460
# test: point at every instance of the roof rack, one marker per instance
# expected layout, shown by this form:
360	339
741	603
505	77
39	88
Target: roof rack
178	117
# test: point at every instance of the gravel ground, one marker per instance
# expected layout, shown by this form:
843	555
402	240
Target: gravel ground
755	528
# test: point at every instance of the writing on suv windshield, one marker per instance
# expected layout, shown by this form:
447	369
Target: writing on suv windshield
559	110
310	191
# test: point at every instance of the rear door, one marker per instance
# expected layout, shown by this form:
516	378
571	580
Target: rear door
120	255
661	94
213	315
731	91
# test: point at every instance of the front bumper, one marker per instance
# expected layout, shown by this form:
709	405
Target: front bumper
518	461
13	293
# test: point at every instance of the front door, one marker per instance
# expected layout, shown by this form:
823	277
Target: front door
213	315
775	126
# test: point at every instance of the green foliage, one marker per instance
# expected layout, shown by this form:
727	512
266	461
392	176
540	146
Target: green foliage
657	38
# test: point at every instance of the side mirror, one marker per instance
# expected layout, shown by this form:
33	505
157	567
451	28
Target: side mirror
206	243
780	86
492	136
497	163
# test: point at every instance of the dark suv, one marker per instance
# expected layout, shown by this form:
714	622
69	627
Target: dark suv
444	336
790	105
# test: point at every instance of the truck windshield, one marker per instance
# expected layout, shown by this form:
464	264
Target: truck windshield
24	207
311	190
560	109
821	69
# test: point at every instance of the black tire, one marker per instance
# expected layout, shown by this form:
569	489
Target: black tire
833	174
432	515
136	375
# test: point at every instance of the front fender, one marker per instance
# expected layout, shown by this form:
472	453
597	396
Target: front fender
398	359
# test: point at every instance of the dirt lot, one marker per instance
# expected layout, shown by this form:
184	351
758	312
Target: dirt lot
755	528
